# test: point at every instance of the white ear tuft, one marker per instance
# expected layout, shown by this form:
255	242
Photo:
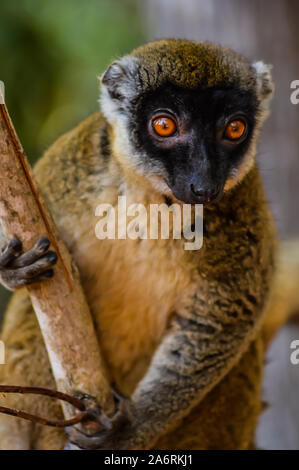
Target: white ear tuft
264	82
120	78
119	87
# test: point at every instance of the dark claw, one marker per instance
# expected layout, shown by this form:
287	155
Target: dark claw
16	243
52	257
43	244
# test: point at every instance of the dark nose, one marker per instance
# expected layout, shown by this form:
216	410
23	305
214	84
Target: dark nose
204	196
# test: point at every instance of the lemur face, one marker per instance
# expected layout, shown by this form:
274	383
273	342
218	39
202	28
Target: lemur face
186	116
195	139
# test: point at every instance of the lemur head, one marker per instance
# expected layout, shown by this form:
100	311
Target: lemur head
186	116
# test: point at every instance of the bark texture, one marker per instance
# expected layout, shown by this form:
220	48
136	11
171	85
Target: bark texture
59	303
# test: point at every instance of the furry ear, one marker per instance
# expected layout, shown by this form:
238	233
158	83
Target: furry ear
264	82
120	78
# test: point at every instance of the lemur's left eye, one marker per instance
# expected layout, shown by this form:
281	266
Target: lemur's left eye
235	129
164	126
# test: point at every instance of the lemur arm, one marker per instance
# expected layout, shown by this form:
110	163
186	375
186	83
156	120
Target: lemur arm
198	351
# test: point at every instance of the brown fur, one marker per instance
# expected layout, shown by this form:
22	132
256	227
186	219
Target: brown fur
192	64
135	288
126	296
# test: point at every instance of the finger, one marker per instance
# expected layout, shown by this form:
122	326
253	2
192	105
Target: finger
39	249
15	279
11	250
42	277
37	268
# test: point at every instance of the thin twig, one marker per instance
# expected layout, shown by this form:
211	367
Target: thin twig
49	392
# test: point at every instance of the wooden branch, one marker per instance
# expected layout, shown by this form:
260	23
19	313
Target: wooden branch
59	303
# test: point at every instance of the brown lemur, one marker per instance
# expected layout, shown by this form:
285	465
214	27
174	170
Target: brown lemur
180	330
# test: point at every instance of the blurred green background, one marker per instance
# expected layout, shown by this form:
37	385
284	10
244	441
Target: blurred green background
51	55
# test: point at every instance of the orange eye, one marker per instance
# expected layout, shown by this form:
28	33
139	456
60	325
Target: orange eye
164	126
235	130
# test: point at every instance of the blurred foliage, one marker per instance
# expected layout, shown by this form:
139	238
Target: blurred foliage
51	55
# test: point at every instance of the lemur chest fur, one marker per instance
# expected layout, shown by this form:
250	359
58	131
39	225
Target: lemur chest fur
132	287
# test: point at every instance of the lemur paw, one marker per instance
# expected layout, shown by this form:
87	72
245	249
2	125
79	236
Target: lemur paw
120	436
18	269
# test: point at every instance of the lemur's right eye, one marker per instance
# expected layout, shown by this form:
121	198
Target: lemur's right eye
164	126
